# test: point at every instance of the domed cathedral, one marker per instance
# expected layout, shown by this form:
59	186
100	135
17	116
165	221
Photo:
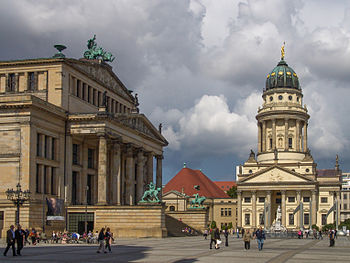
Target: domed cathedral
279	188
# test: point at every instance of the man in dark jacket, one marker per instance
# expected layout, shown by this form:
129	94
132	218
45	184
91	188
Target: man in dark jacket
101	241
260	236
10	239
212	237
19	234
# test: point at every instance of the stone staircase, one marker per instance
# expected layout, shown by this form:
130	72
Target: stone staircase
175	227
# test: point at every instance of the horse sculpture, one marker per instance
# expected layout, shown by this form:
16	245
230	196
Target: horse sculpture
151	195
197	201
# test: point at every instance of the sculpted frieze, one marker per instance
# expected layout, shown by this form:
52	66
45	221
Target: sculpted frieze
137	124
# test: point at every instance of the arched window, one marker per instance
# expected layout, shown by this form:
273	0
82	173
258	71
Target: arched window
172	208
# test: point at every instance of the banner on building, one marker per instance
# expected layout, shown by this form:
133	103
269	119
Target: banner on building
54	209
333	208
297	209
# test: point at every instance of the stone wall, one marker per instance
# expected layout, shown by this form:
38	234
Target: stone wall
197	219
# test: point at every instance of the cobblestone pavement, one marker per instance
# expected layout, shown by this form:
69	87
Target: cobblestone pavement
189	249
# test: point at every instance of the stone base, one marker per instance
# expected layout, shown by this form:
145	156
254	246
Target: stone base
197	218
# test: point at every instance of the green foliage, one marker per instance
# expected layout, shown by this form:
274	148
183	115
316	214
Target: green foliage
345	223
213	224
229	225
314	226
328	227
232	192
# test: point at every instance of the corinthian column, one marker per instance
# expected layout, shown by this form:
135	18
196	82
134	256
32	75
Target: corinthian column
254	209
305	137
314	208
130	177
259	137
116	173
264	136
159	174
149	168
298	203
140	163
239	208
286	127
273	134
297	136
268	194
102	171
283	192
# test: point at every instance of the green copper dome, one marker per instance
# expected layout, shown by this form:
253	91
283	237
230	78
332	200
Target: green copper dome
282	76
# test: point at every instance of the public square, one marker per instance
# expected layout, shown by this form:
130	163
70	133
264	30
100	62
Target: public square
189	249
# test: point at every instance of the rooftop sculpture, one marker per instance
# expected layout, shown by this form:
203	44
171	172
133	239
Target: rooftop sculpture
95	52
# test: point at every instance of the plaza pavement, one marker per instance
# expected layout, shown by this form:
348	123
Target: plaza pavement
189	249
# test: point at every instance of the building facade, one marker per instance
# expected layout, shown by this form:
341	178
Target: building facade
345	197
70	130
283	173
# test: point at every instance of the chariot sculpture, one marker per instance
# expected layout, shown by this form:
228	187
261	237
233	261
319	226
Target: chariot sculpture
95	52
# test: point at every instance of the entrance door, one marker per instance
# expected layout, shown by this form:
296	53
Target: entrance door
81	226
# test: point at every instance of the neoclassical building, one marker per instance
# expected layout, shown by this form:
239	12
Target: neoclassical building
283	172
71	130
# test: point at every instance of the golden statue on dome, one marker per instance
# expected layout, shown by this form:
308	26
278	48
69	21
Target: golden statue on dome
282	51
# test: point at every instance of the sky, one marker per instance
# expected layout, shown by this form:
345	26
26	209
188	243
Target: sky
199	66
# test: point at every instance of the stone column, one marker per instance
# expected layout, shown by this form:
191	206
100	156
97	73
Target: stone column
83	174
273	134
264	136
116	173
314	208
286	127
149	168
254	225
259	137
239	208
130	176
102	171
283	192
297	136
305	137
268	194
338	208
68	172
140	163
297	221
159	175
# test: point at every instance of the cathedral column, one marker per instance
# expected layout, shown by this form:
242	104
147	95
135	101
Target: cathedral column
69	162
283	192
83	174
239	208
139	184
130	176
286	127
159	174
297	136
263	136
116	174
298	213
259	137
268	194
314	208
305	137
149	168
102	171
338	209
254	209
273	134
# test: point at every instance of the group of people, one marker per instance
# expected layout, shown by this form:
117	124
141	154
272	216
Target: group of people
105	239
259	235
12	237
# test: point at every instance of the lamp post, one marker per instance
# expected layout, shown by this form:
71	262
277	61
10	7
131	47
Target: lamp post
18	197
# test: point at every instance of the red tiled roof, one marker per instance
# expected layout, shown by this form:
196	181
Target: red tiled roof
187	178
225	185
326	172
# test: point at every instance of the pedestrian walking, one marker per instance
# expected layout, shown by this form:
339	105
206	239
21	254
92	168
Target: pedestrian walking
226	233
331	238
10	240
299	234
320	235
19	235
237	232
109	239
101	241
246	238
217	238
212	238
242	232
205	234
260	236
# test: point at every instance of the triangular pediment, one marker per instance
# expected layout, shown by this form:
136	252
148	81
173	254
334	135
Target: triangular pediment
102	73
140	123
276	174
173	194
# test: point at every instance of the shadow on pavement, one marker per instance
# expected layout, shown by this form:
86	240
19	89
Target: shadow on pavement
189	260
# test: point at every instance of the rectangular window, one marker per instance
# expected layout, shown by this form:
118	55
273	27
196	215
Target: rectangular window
37	180
99	103
278	200
291	199
291	219
306	219
226	213
345	206
45	179
270	143
261	199
261	219
83	91
345	196
46	147
78	88
53	182
247	199
75	153
290	143
229	212
53	148
31	81
247	219
89	94
222	212
324	219
74	187
306	199
324	200
11	85
90	180
94	99
91	153
38	144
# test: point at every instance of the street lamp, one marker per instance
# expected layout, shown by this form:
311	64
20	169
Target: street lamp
18	197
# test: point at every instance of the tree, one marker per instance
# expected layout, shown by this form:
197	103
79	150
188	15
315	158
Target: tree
232	192
213	224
